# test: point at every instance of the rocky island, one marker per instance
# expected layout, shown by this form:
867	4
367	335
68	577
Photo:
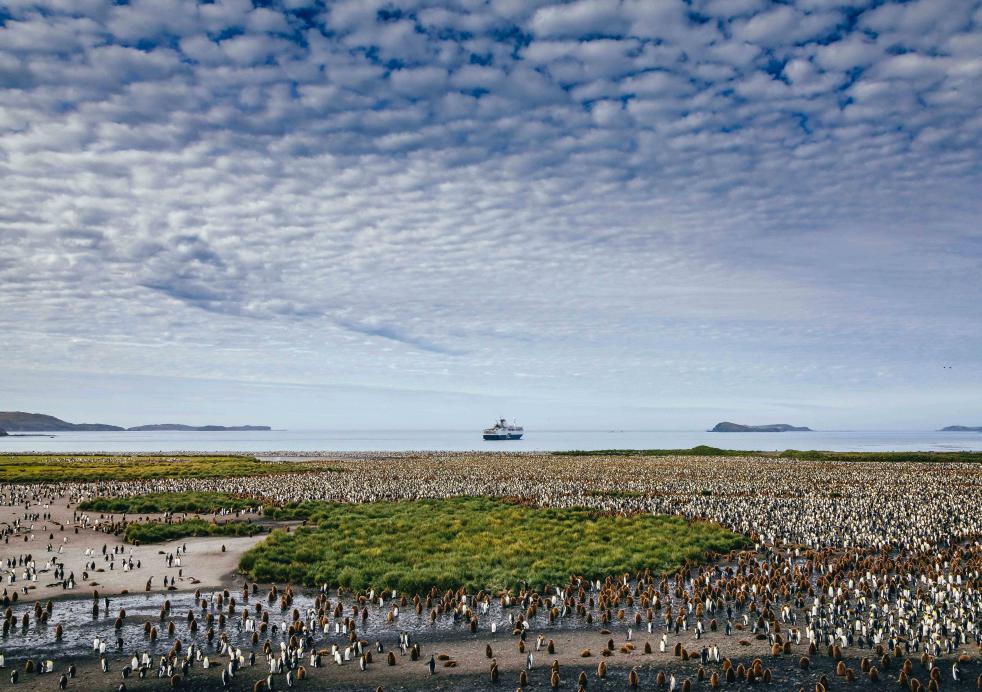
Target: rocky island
726	426
38	422
961	428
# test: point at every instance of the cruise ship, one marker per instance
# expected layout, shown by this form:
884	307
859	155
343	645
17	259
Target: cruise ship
503	431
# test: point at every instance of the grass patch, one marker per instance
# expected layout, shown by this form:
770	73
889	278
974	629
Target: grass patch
803	455
474	542
192	502
700	450
292	511
142	533
53	468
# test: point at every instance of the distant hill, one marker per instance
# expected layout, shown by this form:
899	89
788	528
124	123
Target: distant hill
726	426
961	428
199	428
38	422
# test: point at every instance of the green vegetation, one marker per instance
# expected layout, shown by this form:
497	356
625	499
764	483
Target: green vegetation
806	455
475	542
292	511
141	533
701	450
192	502
53	468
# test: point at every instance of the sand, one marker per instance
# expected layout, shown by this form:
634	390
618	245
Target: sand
205	566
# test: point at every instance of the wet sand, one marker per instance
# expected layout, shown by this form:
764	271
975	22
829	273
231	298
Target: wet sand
472	669
205	566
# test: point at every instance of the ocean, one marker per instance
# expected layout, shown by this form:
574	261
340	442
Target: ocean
470	440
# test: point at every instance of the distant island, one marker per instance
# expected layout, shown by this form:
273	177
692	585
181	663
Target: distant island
726	426
961	428
199	428
3	433
38	422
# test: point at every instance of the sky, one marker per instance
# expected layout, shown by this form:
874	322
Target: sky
651	214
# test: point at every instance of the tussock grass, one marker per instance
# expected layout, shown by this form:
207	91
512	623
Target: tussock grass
474	542
142	533
803	455
293	511
191	502
54	468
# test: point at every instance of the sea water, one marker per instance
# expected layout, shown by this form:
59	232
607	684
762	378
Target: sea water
470	440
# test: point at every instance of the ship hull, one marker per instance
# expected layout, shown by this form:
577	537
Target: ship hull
495	436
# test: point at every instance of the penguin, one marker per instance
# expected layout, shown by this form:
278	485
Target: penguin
431	664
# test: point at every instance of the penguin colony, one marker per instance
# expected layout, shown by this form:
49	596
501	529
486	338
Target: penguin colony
862	575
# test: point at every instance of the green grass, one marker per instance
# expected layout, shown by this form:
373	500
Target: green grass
803	455
192	502
474	542
142	533
292	511
53	468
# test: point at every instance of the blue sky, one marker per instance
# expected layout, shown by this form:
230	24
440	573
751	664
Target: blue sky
641	214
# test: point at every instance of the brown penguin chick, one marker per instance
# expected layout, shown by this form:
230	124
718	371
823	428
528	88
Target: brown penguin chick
487	651
632	678
602	669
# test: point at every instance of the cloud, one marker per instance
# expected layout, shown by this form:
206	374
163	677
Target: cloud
662	197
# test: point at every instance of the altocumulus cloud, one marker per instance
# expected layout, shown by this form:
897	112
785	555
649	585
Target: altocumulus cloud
712	201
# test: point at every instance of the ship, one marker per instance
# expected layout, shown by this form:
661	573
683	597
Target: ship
504	431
